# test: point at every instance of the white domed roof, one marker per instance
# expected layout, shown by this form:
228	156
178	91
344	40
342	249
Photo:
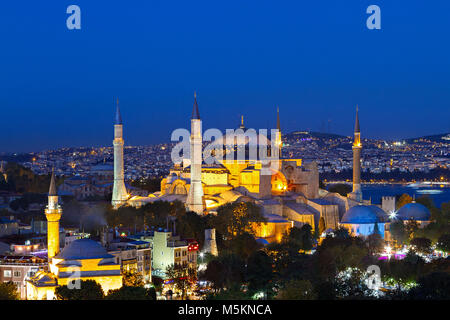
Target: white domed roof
364	214
83	249
414	211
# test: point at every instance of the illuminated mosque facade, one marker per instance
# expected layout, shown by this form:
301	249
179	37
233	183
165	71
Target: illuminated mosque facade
82	259
289	196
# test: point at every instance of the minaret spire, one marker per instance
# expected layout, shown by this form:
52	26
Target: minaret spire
194	200
52	189
119	194
195	113
356	193
118	116
278	119
242	126
357	121
53	214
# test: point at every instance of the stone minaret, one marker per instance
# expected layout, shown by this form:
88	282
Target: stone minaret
119	194
53	213
356	192
194	201
278	141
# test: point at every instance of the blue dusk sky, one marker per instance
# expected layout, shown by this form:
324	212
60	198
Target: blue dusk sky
316	60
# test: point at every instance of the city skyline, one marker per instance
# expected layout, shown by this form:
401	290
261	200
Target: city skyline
315	62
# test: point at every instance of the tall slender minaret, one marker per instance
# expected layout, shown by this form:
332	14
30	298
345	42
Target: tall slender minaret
53	213
356	193
119	194
278	141
194	201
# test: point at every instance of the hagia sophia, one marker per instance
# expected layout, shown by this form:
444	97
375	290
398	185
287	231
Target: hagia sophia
289	196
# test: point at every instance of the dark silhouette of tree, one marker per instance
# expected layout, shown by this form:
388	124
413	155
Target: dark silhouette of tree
8	291
131	293
443	243
259	273
421	245
297	290
433	286
89	290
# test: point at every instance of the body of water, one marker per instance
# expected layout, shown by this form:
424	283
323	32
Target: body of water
439	193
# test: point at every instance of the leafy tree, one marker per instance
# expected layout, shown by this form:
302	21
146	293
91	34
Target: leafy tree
426	201
89	290
191	225
157	283
131	293
183	278
338	254
132	278
8	291
421	245
411	227
350	285
443	243
398	232
433	286
299	238
375	243
234	219
244	245
297	290
403	199
226	271
259	272
233	293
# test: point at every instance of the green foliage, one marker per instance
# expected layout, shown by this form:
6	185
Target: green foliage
375	243
297	239
297	290
131	293
132	279
8	291
234	219
183	278
233	293
350	285
421	245
24	180
89	290
244	245
398	232
443	243
434	286
403	271
338	254
259	272
403	199
226	271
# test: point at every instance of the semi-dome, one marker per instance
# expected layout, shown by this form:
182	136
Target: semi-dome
414	211
83	249
364	214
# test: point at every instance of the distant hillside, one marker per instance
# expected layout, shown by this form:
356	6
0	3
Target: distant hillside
312	134
443	137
